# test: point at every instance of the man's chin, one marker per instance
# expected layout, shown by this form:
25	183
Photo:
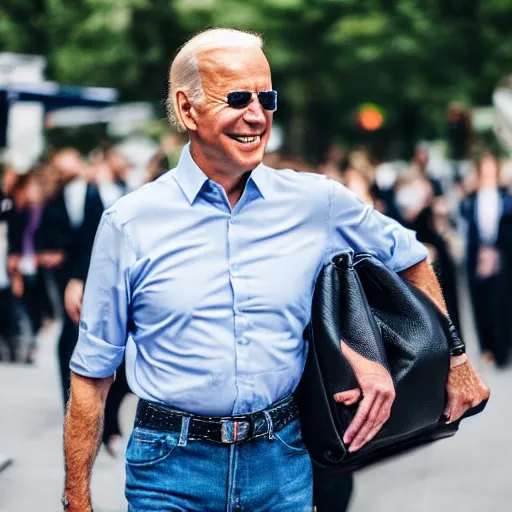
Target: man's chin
248	160
249	164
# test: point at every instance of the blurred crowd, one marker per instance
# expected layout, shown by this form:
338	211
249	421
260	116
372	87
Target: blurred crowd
49	215
48	221
461	210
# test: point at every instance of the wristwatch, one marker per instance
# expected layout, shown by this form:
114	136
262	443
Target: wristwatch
457	346
65	502
458	351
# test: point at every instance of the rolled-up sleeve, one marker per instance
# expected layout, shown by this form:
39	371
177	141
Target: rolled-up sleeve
103	323
363	229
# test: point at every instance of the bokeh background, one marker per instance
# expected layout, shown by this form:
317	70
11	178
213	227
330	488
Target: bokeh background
412	58
407	102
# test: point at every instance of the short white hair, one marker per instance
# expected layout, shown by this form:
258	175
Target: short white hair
184	70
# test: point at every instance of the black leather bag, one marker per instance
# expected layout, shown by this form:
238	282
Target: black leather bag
388	320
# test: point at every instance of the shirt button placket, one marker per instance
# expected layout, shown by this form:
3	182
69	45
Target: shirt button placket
241	350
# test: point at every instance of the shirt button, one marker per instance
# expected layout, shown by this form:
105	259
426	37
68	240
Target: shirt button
243	341
232	220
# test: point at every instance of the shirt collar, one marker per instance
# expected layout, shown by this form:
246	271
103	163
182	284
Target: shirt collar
191	178
259	177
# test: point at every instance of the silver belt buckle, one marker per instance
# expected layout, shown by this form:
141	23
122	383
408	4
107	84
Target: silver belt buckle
234	431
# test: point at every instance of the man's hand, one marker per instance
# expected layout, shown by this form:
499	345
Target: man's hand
50	259
378	396
488	263
13	262
73	299
465	389
17	286
76	506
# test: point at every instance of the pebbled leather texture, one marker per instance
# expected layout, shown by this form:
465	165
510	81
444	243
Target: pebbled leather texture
385	319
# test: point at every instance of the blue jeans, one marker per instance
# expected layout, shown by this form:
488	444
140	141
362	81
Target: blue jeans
168	472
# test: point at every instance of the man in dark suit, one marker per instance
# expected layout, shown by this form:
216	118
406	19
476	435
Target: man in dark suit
107	188
65	238
57	238
488	213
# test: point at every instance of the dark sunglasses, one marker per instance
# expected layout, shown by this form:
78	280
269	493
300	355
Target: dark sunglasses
240	99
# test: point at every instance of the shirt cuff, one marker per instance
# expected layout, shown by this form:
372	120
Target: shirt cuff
405	257
94	357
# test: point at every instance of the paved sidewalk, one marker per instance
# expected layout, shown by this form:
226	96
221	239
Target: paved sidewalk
471	472
31	434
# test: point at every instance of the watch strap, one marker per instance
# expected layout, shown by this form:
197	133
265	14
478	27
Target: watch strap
457	346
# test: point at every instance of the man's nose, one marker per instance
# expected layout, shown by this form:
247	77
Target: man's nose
254	112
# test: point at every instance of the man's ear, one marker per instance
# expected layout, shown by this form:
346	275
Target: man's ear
185	111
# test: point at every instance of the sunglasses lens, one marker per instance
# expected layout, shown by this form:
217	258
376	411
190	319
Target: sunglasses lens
239	99
268	99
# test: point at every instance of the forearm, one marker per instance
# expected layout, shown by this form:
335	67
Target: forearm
82	434
423	277
464	387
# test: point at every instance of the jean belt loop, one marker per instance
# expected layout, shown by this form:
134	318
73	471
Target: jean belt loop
270	424
185	422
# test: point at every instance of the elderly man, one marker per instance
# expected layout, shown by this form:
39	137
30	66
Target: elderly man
205	277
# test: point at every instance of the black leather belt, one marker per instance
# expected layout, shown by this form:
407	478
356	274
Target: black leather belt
224	430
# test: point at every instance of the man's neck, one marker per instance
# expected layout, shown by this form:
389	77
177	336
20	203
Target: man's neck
488	184
232	183
234	188
71	179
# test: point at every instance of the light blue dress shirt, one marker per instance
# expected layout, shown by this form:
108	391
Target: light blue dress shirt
211	302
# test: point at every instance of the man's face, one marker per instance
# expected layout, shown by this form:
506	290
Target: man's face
67	164
231	140
489	170
118	164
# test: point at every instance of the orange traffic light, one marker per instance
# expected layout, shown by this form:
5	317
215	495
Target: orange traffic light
369	117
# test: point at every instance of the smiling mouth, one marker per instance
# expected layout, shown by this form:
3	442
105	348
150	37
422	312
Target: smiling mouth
246	139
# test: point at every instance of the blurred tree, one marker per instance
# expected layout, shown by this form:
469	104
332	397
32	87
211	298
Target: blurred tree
23	27
327	56
117	43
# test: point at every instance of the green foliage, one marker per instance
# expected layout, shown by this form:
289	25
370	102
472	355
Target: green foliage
327	56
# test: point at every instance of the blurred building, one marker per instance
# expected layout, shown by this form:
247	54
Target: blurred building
25	98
